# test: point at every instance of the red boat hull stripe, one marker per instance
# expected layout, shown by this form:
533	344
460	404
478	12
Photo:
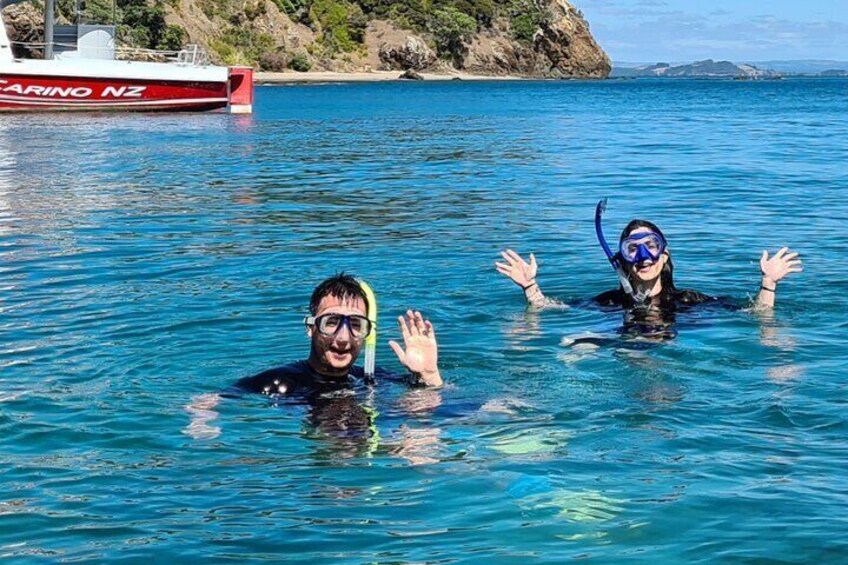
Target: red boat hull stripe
20	92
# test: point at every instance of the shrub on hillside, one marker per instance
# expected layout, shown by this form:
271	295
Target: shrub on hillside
273	61
295	9
483	11
300	63
452	29
411	14
173	38
133	36
342	24
138	24
90	12
242	46
525	18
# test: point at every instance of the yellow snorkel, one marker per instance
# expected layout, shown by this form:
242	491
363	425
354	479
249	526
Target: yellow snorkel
370	364
371	340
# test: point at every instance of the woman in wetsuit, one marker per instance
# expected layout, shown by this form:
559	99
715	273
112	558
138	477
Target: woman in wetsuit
646	273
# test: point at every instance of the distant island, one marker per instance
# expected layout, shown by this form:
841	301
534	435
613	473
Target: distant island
726	69
699	69
526	38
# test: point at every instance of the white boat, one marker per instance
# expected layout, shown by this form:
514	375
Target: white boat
85	75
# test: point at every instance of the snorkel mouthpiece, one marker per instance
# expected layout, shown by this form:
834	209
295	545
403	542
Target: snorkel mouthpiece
371	340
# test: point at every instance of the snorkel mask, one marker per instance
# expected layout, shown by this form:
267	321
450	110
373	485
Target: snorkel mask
371	340
644	246
616	264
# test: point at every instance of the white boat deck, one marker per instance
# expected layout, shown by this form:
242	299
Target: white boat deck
98	68
104	68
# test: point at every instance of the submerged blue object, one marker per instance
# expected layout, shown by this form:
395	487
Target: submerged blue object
642	246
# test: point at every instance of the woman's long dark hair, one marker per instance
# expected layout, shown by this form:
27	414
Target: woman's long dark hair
667	273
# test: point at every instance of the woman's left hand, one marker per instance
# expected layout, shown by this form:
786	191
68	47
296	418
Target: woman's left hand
781	264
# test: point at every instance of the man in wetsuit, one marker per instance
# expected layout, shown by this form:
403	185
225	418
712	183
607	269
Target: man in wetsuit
337	330
327	380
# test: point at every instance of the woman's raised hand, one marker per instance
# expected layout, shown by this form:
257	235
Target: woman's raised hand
774	269
517	269
779	265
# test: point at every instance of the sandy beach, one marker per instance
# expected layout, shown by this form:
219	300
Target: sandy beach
373	76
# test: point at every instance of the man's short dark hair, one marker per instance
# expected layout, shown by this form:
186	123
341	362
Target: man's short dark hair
341	286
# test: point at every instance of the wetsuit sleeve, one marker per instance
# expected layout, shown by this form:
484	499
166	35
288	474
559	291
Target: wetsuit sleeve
693	298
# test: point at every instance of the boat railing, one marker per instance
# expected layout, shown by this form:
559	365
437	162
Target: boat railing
190	55
41	44
36	49
193	54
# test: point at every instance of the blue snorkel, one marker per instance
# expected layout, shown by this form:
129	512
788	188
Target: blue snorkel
616	264
599	231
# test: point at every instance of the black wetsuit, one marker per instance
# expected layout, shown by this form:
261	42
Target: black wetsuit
666	301
341	410
300	380
655	318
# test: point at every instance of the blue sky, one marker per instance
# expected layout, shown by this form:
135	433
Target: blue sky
690	30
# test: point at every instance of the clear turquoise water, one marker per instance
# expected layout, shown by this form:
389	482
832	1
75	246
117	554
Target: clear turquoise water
145	260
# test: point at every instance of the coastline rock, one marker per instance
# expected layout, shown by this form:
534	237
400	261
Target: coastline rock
409	74
391	48
562	47
412	54
566	46
495	54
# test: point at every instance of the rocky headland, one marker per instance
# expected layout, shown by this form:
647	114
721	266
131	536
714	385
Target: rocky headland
503	38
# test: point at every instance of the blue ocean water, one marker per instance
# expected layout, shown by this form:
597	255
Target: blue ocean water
147	262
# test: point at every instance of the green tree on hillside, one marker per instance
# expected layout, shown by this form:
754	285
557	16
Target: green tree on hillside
342	24
452	29
526	16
